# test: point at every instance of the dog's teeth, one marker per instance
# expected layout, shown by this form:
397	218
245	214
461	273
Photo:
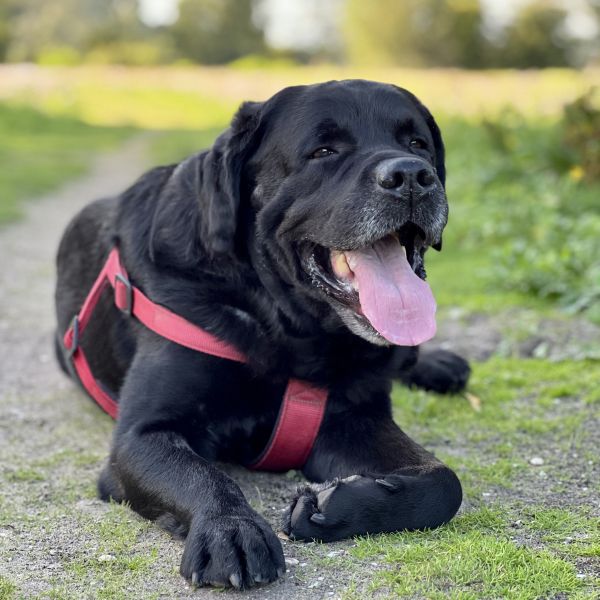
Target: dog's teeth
339	264
403	250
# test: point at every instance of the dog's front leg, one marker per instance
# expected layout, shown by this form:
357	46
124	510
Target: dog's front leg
375	479
154	468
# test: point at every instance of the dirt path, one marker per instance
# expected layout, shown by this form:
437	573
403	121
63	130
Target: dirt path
27	251
53	532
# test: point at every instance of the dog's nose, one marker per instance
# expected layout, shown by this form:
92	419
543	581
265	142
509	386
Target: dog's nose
405	175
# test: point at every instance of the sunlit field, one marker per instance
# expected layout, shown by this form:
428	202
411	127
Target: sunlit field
188	97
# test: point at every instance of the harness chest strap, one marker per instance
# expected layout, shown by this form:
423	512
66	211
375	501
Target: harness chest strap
303	405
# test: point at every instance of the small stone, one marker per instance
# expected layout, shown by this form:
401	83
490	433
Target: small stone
291	562
106	558
536	461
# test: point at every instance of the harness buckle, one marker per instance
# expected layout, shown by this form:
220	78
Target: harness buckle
74	327
123	294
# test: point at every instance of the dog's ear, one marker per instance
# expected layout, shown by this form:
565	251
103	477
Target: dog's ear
222	177
438	143
440	153
198	208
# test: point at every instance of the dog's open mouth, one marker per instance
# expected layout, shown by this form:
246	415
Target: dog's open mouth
383	283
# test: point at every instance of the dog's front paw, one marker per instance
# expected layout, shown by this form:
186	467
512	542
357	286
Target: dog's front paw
232	550
439	371
335	510
410	498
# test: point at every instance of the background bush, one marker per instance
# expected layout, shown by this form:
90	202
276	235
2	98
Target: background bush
534	206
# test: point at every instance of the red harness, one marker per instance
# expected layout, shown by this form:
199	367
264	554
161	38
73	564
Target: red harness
303	405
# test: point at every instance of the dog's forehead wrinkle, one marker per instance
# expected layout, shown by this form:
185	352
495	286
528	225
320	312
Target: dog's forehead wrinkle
353	106
329	131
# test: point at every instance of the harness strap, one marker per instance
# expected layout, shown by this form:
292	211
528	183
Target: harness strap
303	405
297	426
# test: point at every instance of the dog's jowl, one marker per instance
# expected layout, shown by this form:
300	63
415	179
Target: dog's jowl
252	304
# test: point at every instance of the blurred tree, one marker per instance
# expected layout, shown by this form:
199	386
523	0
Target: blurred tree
587	50
216	31
453	33
9	11
37	25
415	32
535	38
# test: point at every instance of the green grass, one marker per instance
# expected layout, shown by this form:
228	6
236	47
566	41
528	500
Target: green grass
25	474
7	589
474	557
39	152
519	398
509	548
138	103
573	533
115	564
192	97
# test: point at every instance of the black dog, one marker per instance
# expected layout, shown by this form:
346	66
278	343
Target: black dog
298	239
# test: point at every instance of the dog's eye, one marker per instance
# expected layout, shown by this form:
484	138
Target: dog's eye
418	143
322	152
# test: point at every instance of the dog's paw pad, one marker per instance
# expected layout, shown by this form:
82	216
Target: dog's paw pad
326	511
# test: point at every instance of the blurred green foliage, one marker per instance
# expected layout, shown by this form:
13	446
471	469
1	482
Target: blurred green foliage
216	31
458	33
521	203
37	26
536	37
415	32
38	152
581	135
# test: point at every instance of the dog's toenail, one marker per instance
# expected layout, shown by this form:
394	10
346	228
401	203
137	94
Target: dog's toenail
385	484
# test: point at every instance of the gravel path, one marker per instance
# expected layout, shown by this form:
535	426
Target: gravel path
27	251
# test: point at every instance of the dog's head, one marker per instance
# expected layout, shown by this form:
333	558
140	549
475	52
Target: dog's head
334	192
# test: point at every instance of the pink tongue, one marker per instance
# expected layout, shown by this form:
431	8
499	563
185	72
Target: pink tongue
398	304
